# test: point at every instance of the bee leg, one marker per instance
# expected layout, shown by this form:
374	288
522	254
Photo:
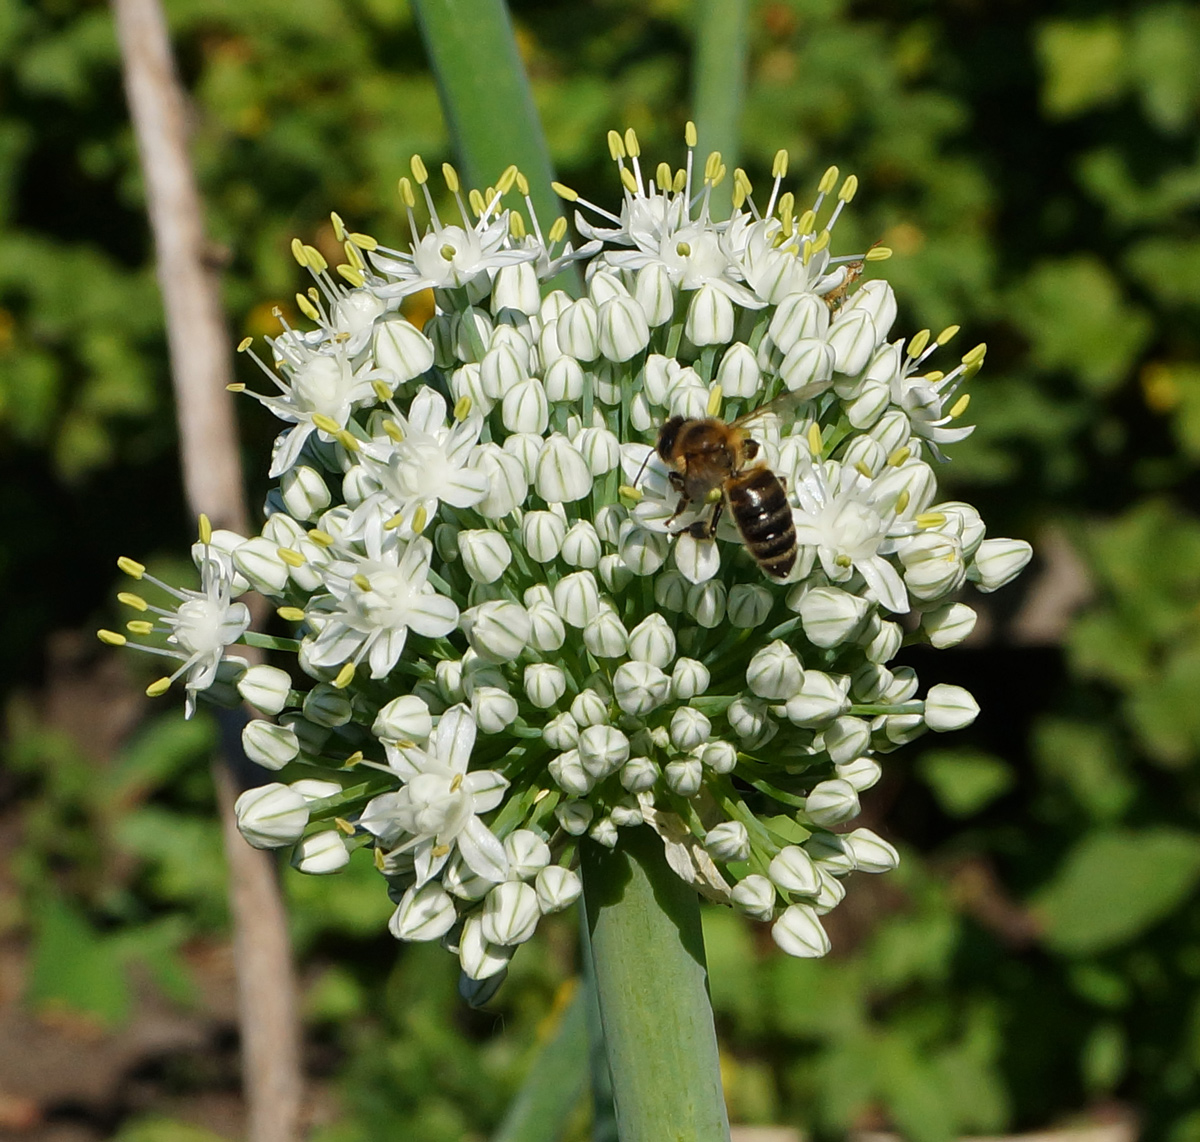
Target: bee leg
702	529
749	448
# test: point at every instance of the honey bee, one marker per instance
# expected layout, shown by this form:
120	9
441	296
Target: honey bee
709	462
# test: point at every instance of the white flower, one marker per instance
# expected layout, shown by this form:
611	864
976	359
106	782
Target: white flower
999	561
949	708
321	854
799	933
271	816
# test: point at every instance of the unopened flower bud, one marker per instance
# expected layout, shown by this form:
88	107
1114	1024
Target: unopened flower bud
881	639
655	294
564	380
525	407
689	728
402	349
579	330
581	545
853	339
820	699
799	933
459	879
527	853
265	687
727	842
562	474
706	603
605	635
627	814
846	738
749	605
671	591
747	716
719	756
510	913
831	802
807	370
739	375
269	745
710	317
561	732
557	888
271	816
546	630
871	853
639	774
589	709
258	560
831	894
998	561
644	552
623	329
507	482
684	776
577	598
497	631
755	896
321	854
600	449
614	573
569	775
425	913
478	957
603	750
775	672
799	315
574	817
792	869
689	678
831	852
494	709
304	492
640	687
933	565
830	616
311	737
604	832
949	625
545	683
327	706
949	708
485	554
861	772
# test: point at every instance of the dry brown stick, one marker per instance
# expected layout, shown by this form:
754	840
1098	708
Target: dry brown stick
212	476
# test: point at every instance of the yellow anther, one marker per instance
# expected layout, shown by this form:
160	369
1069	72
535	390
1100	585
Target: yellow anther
822	240
363	241
849	188
419	173
380	862
683	249
462	407
447	251
315	260
902	501
844	561
739	192
786	228
382	390
344	826
204	529
299	252
111	638
689	133
159	688
714	401
947	334
960	406
406	193
505	182
451	177
394	431
719	174
339	227
291	614
352	274
522	185
558	230
132	600
307	308
787	205
245	344
713	496
806	251
344	676
680	182
815	443
662	176
361	582
131	567
396	521
917	345
711	165
347	440
456	783
861	467
878	254
780	164
807	223
630	493
828	180
628	181
321	538
976	354
420	519
326	423
235	387
934	376
478	205
564	192
439	851
139	626
516	225
631	143
899	456
616	146
930	519
290	557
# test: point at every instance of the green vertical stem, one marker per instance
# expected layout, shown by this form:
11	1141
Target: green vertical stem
652	984
604	1120
718	84
485	94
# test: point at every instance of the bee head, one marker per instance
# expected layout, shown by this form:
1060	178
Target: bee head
667	435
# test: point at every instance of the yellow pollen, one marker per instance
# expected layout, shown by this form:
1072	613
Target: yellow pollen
628	181
849	188
406	193
451	177
344	676
139	626
930	519
814	439
396	521
111	638
780	164
689	133
960	406
204	529
564	192
631	143
917	345
843	561
307	308
347	440
558	231
714	400
616	146
419	173
828	180
899	456
629	492
339	227
361	582
947	334
719	177
291	614
505	182
713	495
462	407
157	689
878	254
298	252
290	557
381	389
420	519
902	501
976	354
131	567
132	600
683	249
662	176
456	783
448	252
326	423
321	538
245	344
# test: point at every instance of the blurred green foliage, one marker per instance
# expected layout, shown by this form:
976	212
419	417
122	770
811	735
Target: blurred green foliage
1037	170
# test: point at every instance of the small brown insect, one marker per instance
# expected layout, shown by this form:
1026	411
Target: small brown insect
709	455
836	297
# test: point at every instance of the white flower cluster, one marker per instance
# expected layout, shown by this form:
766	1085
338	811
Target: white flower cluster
520	620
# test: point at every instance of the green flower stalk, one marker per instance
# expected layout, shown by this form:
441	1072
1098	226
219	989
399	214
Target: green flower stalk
524	616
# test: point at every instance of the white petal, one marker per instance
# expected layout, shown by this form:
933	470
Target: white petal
432	615
481	851
455	738
486	787
885	583
698	559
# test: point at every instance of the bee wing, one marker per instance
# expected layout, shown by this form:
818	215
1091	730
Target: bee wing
780	407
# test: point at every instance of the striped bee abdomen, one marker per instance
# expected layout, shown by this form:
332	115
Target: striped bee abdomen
760	508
